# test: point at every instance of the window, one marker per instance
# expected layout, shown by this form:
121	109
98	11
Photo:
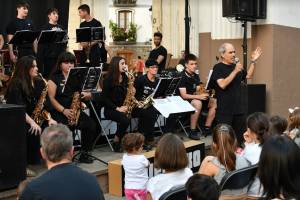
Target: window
124	18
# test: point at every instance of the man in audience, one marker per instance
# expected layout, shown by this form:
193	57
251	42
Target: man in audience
159	53
202	187
63	180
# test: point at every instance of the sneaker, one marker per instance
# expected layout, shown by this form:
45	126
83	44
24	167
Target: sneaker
85	158
117	147
206	131
194	135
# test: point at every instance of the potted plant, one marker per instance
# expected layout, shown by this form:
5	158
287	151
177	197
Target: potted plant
121	35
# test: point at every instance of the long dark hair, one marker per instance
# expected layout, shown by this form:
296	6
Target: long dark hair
258	123
63	57
225	145
21	75
114	70
278	168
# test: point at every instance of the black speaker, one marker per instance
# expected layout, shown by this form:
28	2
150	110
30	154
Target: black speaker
12	145
256	98
245	9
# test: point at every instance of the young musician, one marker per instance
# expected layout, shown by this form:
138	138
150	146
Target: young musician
115	88
159	53
189	84
97	49
48	53
228	81
61	102
26	88
18	24
145	86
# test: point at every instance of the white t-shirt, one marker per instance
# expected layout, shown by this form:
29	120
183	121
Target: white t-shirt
162	183
252	152
136	172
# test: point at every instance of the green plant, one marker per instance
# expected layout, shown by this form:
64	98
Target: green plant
121	34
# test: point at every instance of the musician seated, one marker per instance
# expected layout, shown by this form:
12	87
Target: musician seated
188	86
62	103
147	114
27	89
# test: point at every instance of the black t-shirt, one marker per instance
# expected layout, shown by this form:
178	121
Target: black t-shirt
52	50
189	82
144	87
231	99
64	181
19	25
114	95
16	95
154	53
92	23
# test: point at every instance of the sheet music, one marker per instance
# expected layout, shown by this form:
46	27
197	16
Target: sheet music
172	104
208	79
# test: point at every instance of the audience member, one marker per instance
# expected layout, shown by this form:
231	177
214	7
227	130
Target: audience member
63	180
294	125
257	130
278	168
226	160
170	156
135	166
202	187
278	125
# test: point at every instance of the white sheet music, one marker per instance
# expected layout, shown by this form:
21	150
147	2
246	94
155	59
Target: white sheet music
172	104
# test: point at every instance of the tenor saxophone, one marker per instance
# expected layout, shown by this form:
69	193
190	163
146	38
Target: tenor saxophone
39	115
76	107
130	101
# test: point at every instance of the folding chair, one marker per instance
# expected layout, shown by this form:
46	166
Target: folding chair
175	193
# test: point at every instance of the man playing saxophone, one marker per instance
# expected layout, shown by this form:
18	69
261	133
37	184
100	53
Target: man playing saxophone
67	105
26	88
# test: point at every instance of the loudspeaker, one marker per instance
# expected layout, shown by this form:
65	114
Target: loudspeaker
256	98
245	9
12	145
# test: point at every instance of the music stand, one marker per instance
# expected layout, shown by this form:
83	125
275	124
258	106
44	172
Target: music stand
166	87
52	36
83	79
24	37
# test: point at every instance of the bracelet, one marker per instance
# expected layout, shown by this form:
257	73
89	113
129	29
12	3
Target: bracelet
63	111
253	62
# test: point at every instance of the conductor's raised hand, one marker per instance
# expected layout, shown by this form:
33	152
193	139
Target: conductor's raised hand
256	54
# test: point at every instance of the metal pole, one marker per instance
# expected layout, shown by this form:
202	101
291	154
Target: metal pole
187	28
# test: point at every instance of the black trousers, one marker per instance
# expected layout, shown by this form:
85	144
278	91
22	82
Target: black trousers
33	147
237	121
147	118
86	125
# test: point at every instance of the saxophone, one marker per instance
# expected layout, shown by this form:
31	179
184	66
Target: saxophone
76	107
130	101
146	102
201	90
39	115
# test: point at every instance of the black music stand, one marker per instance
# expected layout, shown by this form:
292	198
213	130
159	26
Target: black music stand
83	79
90	34
166	87
23	37
52	36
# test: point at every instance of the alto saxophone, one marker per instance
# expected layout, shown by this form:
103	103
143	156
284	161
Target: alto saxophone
146	102
130	101
76	107
39	115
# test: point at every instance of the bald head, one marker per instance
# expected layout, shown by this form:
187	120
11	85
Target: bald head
227	53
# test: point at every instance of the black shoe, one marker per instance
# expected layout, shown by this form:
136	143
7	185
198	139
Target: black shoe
147	147
85	158
194	135
206	131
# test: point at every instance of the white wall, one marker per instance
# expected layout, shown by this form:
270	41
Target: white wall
141	16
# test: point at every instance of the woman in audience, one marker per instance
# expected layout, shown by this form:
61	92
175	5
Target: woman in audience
135	166
278	168
278	125
202	187
257	130
170	156
294	125
226	160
